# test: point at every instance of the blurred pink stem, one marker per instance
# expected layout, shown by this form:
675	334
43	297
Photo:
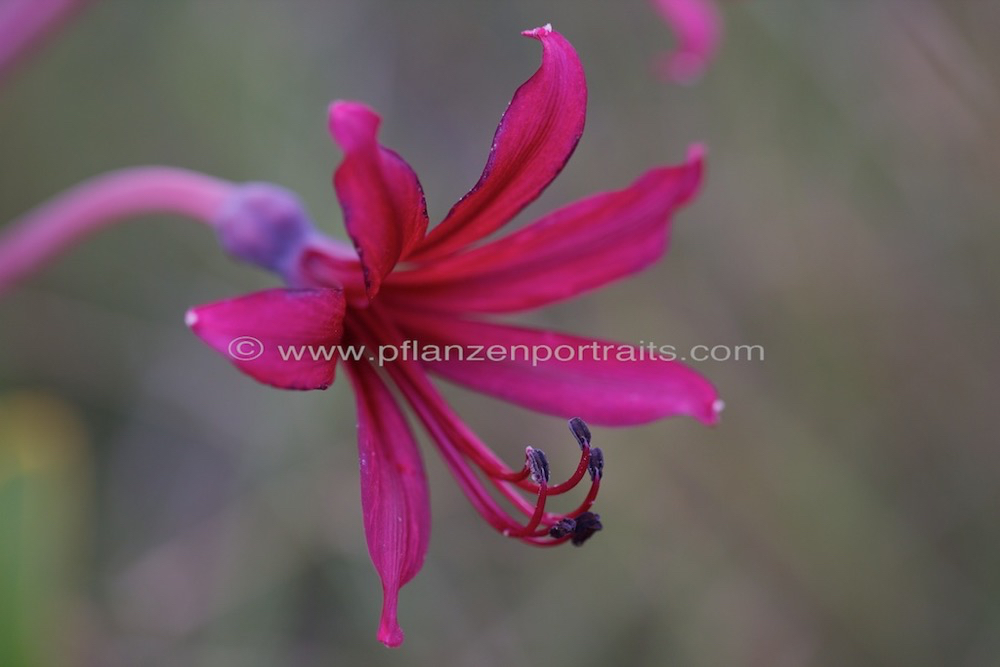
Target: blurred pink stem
40	235
25	23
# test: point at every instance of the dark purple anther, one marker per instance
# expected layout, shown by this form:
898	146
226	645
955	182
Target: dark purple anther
538	464
587	524
596	464
563	528
580	431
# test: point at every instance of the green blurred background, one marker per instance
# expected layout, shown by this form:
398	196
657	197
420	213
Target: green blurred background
158	508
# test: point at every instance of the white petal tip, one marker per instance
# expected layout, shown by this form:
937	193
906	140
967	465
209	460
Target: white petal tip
539	32
190	318
718	406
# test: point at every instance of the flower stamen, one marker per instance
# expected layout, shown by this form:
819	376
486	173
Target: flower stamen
566	527
538	463
465	453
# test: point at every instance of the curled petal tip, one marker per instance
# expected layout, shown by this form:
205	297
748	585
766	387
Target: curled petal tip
352	123
344	109
539	32
713	414
536	136
340	107
697	152
708	412
384	209
390	634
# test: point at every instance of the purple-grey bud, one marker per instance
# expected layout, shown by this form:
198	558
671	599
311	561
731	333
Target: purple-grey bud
265	225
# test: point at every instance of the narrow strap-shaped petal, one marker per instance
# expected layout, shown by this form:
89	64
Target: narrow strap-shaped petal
384	208
394	495
282	337
606	383
697	26
580	247
535	138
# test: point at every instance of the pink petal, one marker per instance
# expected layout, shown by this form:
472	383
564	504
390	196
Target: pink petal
578	248
260	333
384	208
698	27
535	138
394	494
601	383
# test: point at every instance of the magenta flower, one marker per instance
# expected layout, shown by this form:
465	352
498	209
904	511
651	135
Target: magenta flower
697	26
422	302
401	283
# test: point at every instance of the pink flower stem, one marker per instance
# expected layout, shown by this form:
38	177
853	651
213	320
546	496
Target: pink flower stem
36	238
24	24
